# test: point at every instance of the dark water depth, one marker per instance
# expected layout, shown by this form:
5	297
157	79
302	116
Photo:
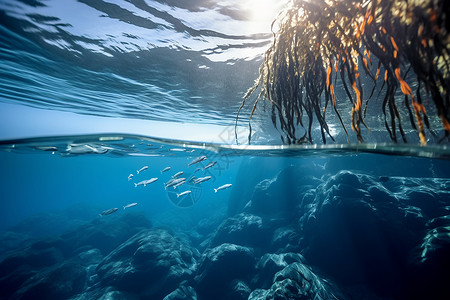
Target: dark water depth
317	224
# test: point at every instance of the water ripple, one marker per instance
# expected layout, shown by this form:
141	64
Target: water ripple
189	61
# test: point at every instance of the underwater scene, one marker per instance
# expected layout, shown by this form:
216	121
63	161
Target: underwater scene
123	217
224	149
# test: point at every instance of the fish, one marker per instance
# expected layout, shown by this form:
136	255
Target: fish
142	169
174	181
183	193
222	187
196	170
197	160
145	182
202	179
165	169
192	178
109	211
130	176
211	164
179	183
130	205
177	174
170	181
152	180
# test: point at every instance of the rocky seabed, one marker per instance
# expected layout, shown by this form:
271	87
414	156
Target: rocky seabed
343	236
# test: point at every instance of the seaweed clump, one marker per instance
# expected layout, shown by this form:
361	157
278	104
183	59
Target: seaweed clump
319	43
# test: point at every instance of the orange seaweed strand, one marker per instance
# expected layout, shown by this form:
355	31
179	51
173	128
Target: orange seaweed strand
394	43
328	74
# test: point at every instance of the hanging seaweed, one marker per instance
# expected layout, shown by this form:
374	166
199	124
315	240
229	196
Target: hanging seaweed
320	43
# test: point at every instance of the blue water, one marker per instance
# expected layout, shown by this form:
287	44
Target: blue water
330	222
92	91
61	179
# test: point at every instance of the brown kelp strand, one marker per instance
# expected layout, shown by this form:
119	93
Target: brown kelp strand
395	45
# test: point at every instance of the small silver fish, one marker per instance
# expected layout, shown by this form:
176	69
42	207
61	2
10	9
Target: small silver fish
197	160
183	193
109	211
165	169
202	179
177	174
211	164
170	181
130	177
142	169
225	186
179	183
130	205
145	182
173	182
196	170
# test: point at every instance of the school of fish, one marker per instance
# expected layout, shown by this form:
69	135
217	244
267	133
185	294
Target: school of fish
175	181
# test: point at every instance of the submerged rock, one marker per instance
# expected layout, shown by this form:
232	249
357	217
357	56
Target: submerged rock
36	256
429	198
242	229
431	272
238	290
11	283
17	268
272	192
90	257
182	293
297	281
269	264
243	188
84	246
222	265
368	228
105	293
285	239
278	197
152	263
60	282
258	294
106	233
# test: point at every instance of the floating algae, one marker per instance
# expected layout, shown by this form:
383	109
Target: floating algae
320	43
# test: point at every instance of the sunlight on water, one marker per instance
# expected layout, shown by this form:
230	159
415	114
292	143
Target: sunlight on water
131	59
260	13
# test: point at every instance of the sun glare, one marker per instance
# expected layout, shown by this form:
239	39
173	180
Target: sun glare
262	13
